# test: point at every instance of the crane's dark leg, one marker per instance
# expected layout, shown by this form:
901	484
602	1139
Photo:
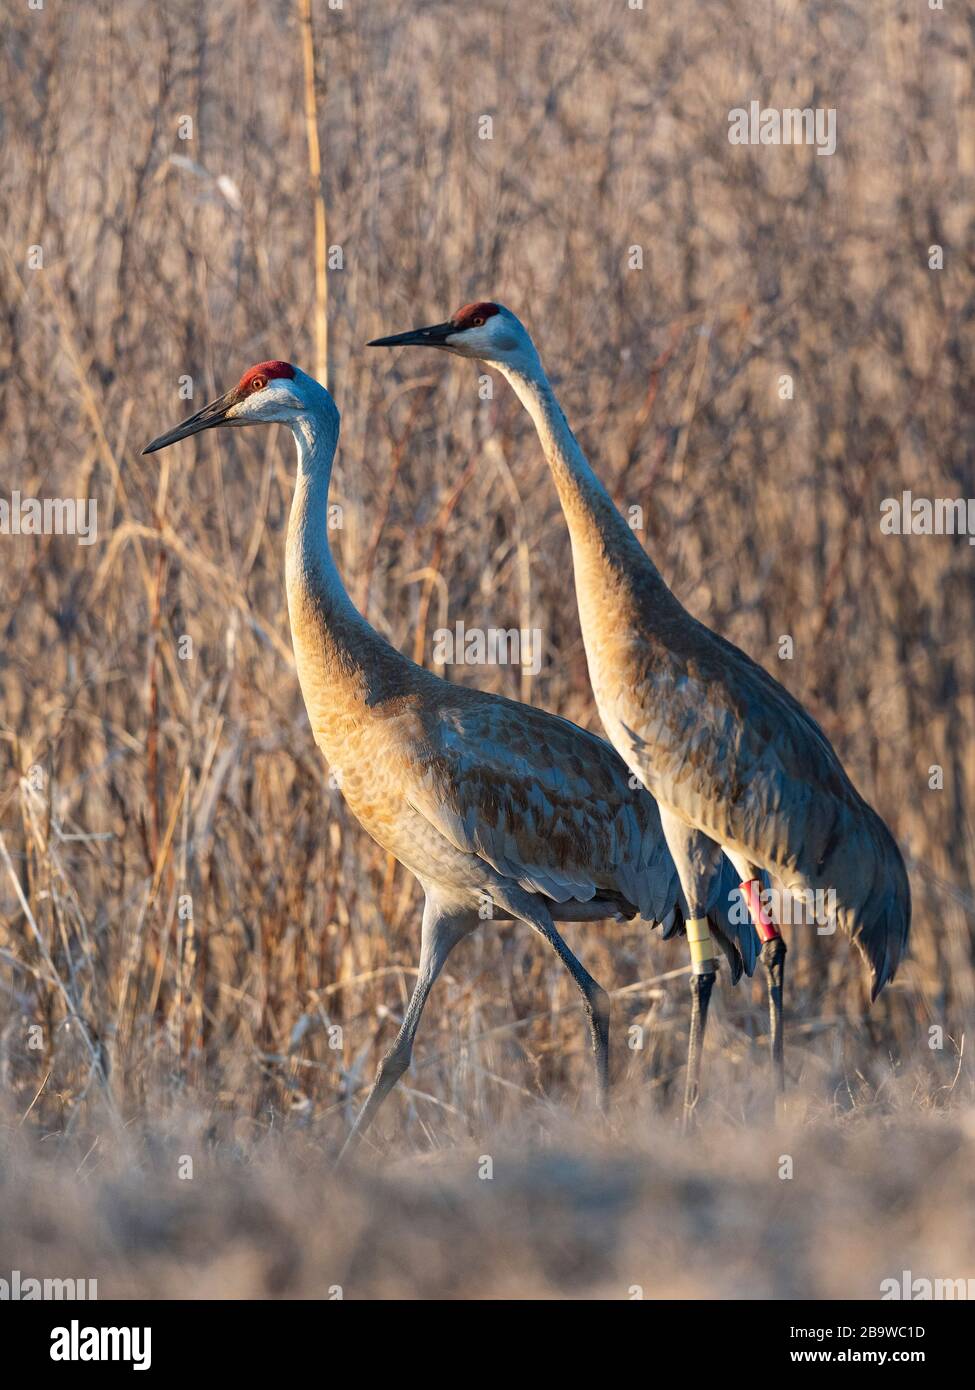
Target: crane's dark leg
698	860
597	1009
439	936
773	959
704	967
533	911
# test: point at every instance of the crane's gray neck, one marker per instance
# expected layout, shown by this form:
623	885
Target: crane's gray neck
591	515
328	631
310	562
344	666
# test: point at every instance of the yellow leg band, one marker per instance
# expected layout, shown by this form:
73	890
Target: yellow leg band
703	956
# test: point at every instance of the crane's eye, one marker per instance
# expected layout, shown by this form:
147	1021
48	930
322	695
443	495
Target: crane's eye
258	384
476	321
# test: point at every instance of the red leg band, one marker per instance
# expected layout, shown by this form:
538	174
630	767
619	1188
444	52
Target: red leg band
752	893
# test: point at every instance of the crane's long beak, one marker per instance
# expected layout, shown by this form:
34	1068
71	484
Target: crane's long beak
434	336
213	414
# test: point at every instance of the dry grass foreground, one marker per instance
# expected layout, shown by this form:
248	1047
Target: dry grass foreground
549	1208
137	779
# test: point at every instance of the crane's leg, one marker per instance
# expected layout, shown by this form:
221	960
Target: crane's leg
533	911
698	860
773	958
704	967
439	935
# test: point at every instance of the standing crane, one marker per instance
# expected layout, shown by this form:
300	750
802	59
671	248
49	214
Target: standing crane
734	761
498	809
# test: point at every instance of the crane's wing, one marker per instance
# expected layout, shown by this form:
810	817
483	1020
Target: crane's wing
729	748
542	801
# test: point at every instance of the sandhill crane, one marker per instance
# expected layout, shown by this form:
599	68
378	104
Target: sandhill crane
733	760
498	809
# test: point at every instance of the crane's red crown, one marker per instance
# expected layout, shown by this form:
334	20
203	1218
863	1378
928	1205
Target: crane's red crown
465	317
257	377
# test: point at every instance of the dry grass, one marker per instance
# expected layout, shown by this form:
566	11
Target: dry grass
562	1210
134	780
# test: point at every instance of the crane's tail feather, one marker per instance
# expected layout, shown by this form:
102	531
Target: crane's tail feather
866	871
882	928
